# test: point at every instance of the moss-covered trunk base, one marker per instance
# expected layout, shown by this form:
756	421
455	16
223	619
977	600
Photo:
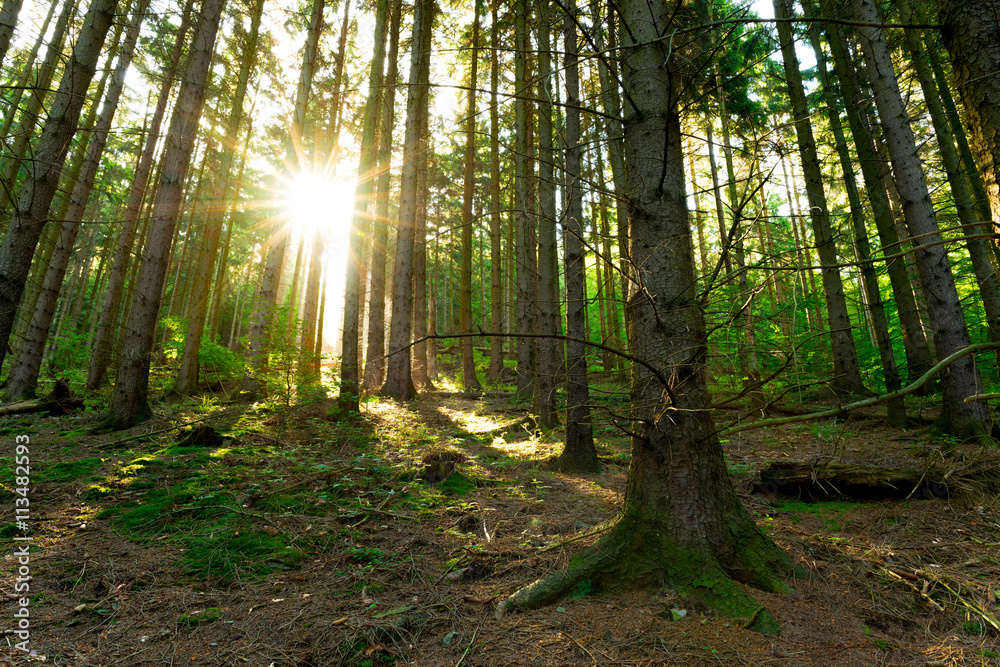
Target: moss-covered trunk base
636	554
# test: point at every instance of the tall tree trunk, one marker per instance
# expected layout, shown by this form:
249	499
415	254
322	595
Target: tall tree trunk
27	70
31	213
682	524
350	386
24	375
201	286
103	341
33	112
972	37
986	277
375	350
8	22
915	346
579	453
896	411
496	244
547	310
961	379
398	381
469	380
612	104
847	374
421	366
522	219
129	402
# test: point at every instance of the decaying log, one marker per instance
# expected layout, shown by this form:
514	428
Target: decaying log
60	402
826	479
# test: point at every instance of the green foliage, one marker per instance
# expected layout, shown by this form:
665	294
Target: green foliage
218	362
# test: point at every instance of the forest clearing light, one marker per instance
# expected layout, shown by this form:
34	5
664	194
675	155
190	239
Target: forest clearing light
316	202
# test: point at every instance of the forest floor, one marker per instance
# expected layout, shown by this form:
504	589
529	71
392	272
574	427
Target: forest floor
298	541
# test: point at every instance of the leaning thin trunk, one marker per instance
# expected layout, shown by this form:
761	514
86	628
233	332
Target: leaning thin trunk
847	373
961	379
31	213
104	335
129	402
24	376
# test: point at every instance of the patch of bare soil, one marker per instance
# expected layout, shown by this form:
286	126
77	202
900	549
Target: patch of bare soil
395	569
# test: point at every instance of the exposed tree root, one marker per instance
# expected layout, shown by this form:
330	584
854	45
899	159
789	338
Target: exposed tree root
634	556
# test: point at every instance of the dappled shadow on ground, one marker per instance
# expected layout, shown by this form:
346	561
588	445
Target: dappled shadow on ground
302	542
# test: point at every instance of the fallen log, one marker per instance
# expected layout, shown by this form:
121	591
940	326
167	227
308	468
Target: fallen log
60	402
823	480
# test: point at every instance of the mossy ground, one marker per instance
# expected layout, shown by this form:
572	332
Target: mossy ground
299	523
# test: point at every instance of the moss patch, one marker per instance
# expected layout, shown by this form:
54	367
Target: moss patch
69	471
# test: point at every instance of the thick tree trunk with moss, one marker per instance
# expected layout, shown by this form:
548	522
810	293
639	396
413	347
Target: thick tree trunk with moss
961	379
682	525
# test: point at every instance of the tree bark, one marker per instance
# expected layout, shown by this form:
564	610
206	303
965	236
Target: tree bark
350	386
915	346
31	213
375	347
847	374
104	336
522	206
986	277
543	398
129	402
398	380
681	525
579	453
8	22
24	375
896	410
201	286
33	111
469	380
961	379
496	244
421	365
972	37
